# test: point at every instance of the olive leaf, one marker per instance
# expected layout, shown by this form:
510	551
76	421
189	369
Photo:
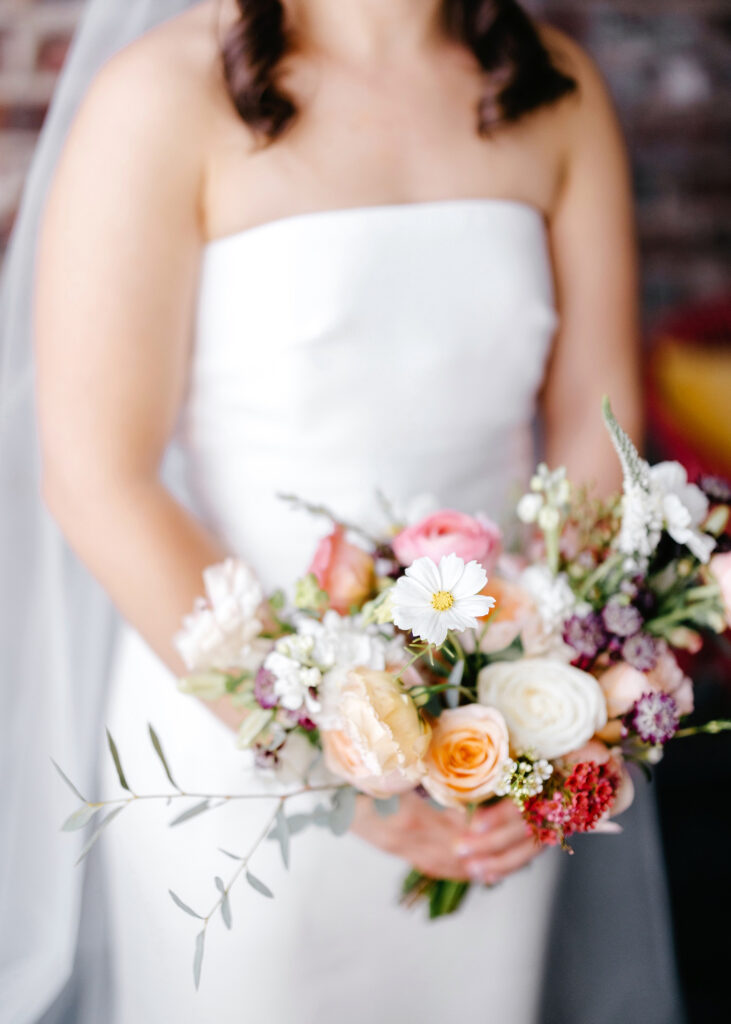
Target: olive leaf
183	906
117	763
200	940
280	832
192	812
68	781
80	818
159	751
342	810
257	884
105	823
225	905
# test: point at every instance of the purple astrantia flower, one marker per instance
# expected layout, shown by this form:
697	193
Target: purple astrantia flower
586	634
264	688
654	717
716	488
622	619
641	651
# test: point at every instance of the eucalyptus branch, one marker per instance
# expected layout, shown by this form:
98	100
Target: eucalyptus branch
323	510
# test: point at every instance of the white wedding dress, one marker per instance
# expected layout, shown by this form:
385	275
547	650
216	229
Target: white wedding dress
395	347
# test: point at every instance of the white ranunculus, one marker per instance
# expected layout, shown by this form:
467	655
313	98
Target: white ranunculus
550	708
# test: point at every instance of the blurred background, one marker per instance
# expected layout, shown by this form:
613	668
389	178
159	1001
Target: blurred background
668	65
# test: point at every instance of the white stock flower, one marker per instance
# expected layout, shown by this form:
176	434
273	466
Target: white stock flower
552	595
219	631
550	708
299	661
683	507
429	600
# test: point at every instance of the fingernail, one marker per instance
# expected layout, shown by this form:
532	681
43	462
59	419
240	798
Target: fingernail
463	848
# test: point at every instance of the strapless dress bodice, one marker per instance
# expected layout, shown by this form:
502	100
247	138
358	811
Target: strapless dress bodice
397	348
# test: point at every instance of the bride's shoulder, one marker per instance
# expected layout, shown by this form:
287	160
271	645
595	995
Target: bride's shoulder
570	57
164	89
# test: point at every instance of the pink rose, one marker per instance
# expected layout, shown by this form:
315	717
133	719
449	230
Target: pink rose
449	532
720	566
345	572
623	685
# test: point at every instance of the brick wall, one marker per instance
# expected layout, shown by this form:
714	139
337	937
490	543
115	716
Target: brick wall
667	67
34	37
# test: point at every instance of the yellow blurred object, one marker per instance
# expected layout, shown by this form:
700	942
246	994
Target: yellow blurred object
693	383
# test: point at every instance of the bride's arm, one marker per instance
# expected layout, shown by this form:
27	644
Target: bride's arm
592	232
116	278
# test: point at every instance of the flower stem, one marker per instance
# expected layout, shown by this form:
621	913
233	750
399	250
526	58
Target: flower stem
710	728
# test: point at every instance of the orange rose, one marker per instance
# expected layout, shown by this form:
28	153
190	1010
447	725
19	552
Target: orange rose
465	757
344	571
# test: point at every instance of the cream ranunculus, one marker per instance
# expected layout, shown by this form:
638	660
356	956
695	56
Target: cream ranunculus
550	708
468	748
371	731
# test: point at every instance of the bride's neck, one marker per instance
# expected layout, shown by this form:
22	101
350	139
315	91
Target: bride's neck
365	29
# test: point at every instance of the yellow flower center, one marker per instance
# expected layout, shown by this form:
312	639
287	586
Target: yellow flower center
442	601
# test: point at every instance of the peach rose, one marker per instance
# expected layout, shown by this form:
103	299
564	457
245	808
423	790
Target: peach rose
622	685
371	732
514	610
468	747
448	532
344	571
720	566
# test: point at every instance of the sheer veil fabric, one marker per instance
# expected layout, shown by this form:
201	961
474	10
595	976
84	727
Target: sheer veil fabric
57	626
610	953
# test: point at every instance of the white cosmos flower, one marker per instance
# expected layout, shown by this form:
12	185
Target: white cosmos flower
431	599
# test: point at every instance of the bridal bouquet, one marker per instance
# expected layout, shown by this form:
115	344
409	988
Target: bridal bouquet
431	659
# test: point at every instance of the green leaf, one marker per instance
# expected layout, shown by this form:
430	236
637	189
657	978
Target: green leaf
225	905
183	906
446	896
159	751
342	811
257	884
80	818
233	856
192	812
68	781
280	832
387	807
105	823
200	941
117	763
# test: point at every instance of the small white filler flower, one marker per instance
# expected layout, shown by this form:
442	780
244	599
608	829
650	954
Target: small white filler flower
431	599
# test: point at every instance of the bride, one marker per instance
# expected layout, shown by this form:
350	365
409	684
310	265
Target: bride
324	248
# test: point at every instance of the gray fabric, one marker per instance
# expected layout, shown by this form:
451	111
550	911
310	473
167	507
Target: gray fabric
610	955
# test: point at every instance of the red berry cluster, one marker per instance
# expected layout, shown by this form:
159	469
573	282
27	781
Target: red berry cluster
574	805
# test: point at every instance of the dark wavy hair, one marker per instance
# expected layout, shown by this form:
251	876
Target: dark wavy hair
519	71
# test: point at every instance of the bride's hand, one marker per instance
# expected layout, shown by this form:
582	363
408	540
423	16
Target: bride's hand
423	836
496	843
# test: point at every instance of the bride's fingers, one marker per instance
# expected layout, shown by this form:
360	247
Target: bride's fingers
492	869
490	843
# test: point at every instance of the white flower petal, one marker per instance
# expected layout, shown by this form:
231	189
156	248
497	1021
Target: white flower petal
451	568
472	581
425	571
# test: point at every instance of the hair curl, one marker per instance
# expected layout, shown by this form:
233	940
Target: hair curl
520	74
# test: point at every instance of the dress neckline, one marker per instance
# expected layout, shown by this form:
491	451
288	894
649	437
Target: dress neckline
348	212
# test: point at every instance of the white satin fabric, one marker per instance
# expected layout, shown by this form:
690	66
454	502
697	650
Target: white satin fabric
397	347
